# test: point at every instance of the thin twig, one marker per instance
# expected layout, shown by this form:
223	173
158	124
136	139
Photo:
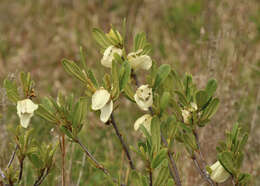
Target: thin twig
43	175
174	171
21	170
151	176
122	142
199	149
203	174
12	157
96	163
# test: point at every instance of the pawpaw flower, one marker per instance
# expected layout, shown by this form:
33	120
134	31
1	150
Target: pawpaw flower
145	120
218	173
139	61
25	110
109	55
186	113
144	97
101	101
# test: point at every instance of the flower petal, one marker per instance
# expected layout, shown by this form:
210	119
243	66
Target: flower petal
144	120
109	55
25	110
144	97
106	111
100	99
219	174
146	62
25	119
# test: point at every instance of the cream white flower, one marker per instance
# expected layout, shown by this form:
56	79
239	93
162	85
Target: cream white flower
186	113
145	120
25	110
109	55
144	97
218	174
139	61
100	101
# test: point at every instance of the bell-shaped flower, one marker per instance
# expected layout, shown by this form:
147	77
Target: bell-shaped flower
139	61
101	101
144	97
109	55
25	110
145	120
218	173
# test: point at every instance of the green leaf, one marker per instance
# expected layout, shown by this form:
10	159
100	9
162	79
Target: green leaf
158	159
92	78
164	101
146	133
244	179
79	113
101	38
156	134
161	75
135	178
66	131
129	93
188	84
162	177
210	110
36	159
211	87
124	79
226	160
44	113
11	90
139	41
201	98
242	142
73	69
182	98
115	80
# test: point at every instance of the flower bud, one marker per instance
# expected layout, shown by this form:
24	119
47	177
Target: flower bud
115	35
139	61
145	120
109	55
25	110
144	97
218	173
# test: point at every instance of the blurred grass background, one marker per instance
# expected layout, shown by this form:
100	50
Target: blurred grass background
206	38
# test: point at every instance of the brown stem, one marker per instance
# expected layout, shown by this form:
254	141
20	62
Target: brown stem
172	165
151	176
199	149
21	170
203	174
12	157
122	142
42	176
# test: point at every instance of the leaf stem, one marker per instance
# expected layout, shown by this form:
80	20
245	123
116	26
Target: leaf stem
63	154
122	142
21	170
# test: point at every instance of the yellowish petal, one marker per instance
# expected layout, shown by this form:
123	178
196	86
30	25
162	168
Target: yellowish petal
106	112
100	99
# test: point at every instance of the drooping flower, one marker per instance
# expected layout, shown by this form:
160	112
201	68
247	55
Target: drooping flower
145	120
25	110
109	55
144	97
139	61
100	101
218	173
